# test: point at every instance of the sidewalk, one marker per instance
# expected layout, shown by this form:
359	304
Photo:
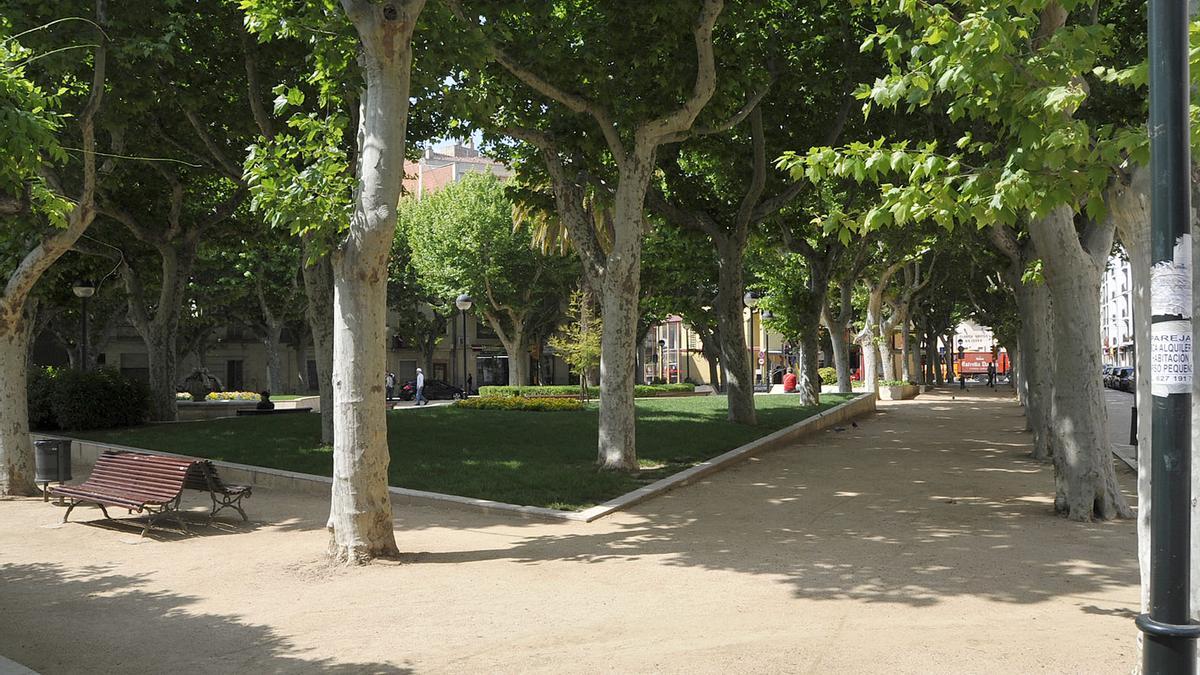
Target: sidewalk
921	540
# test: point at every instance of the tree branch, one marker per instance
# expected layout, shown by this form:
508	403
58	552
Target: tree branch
656	131
758	179
253	87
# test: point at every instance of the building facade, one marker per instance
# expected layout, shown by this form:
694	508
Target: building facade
1116	312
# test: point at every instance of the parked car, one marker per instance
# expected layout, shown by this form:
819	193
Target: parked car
1127	380
435	390
1113	379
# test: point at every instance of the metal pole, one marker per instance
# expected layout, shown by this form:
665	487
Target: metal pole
1169	645
83	344
464	350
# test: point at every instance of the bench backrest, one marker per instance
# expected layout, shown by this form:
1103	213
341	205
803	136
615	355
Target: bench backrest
152	478
203	476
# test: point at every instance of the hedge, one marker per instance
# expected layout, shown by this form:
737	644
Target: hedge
75	401
573	390
827	375
520	403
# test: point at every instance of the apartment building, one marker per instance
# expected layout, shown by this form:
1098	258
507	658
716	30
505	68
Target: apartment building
1116	312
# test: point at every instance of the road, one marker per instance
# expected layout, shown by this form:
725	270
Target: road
1120	406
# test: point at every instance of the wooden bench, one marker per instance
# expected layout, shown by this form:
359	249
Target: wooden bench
150	484
203	476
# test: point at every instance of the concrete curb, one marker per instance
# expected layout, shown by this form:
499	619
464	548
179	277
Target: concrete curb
84	452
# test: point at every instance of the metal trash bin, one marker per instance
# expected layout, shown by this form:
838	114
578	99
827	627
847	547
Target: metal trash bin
52	463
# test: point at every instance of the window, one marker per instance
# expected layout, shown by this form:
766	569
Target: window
234	375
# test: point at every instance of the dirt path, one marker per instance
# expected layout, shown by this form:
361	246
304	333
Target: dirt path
920	541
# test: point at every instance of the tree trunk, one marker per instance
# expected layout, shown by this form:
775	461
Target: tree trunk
939	368
808	380
617	449
1082	453
360	514
1038	363
928	377
301	362
273	342
840	347
739	373
518	359
16	448
887	358
162	359
318	288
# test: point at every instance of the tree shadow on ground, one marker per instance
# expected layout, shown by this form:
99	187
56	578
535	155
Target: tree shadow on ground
131	629
877	521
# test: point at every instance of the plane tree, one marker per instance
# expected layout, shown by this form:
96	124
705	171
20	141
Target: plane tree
1016	75
587	87
47	199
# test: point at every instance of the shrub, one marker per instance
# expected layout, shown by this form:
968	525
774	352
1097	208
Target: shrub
827	375
75	401
182	396
573	390
520	403
233	396
656	389
892	383
41	396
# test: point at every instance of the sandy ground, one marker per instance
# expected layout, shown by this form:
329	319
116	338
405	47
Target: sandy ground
921	541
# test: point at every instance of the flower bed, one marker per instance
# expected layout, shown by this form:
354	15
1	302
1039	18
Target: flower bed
520	403
233	396
573	390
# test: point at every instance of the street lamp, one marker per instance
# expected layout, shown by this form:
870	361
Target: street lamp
463	303
766	314
662	349
83	290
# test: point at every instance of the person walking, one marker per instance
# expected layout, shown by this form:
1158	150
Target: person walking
992	374
389	383
420	397
470	384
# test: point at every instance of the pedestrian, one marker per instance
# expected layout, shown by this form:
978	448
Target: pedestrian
389	382
992	375
420	397
470	381
789	382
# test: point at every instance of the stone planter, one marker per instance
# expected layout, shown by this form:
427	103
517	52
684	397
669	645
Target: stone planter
899	393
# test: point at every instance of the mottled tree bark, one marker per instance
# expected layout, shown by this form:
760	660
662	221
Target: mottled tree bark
360	514
1082	454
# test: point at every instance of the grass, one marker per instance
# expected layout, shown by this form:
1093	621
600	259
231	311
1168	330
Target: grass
530	458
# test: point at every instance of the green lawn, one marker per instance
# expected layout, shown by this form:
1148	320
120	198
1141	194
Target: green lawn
531	458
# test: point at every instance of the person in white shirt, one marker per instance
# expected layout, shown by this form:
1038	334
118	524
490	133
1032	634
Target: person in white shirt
420	398
389	383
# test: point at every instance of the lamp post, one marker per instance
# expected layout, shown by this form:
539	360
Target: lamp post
751	299
764	315
463	303
662	353
1170	635
83	290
